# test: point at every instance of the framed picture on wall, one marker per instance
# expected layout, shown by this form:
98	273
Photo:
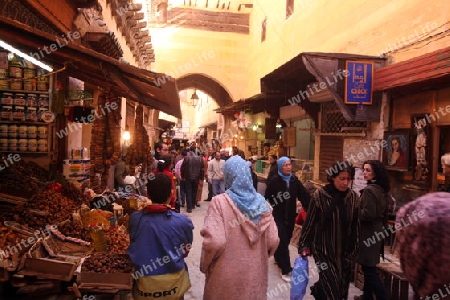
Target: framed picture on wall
396	153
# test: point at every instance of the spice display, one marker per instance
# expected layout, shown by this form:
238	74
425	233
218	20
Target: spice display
8	238
70	191
53	206
107	263
118	242
123	220
75	230
22	185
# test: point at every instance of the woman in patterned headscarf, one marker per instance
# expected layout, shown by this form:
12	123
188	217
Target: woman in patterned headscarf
282	192
424	243
239	235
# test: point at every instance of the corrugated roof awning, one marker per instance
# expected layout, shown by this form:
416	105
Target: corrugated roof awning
257	103
297	76
155	90
427	71
164	124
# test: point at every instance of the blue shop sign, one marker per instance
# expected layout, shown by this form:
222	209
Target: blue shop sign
358	84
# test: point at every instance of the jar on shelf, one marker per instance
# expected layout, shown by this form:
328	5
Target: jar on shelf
19	99
16	84
31	114
29	73
42	145
42	80
42	132
29	85
19	113
43	100
7	99
6	113
42	112
22	144
3	130
12	131
3	144
15	72
32	132
32	145
31	100
4	84
22	131
12	144
3	73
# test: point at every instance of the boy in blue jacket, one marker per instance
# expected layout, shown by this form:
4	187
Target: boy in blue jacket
160	239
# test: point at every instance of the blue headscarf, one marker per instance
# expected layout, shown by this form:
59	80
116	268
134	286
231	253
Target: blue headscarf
239	186
281	162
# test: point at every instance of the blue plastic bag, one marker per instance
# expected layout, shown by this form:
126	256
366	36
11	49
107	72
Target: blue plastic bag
299	280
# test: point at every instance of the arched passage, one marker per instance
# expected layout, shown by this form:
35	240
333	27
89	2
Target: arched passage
207	85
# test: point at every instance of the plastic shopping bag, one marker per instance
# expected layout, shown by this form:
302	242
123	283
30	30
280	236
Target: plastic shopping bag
299	280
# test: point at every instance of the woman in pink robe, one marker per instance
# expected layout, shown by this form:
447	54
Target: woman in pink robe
239	236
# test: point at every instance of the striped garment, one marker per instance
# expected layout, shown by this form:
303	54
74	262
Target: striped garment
331	231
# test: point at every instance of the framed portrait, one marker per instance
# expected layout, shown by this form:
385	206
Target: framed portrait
396	153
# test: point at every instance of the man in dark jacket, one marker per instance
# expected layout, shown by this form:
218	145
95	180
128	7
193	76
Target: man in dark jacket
191	169
282	192
273	167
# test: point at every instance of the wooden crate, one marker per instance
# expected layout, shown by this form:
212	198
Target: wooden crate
108	281
49	268
114	281
58	248
37	263
394	280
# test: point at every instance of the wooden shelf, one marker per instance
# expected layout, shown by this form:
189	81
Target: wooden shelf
26	152
26	91
24	123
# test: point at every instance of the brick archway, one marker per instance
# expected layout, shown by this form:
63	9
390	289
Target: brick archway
206	84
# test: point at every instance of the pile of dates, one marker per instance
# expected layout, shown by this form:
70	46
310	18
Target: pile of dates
70	191
74	229
44	208
118	242
107	263
8	238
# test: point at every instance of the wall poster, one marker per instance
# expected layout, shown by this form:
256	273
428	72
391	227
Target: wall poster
396	153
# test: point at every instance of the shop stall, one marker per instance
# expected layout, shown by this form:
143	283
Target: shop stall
57	240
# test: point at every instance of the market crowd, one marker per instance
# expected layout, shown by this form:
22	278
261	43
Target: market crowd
335	223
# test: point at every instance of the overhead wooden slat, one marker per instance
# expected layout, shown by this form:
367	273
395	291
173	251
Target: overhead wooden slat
431	66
